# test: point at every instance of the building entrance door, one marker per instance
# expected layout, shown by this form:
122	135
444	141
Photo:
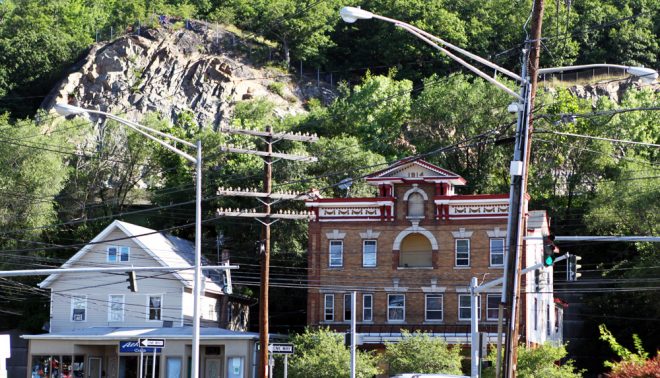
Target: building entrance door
213	368
95	367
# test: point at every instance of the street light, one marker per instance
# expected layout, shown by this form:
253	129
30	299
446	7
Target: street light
518	167
66	110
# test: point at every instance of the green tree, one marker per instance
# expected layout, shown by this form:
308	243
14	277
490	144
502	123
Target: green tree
375	112
321	353
301	26
539	362
32	174
457	108
420	353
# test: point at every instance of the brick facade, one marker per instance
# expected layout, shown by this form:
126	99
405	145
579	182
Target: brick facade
416	256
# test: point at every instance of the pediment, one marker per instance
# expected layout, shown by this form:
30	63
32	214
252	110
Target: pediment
415	170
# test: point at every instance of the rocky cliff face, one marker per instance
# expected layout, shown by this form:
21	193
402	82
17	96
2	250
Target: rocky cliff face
196	70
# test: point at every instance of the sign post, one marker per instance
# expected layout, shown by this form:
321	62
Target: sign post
151	343
282	348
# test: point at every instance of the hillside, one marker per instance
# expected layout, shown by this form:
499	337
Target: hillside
171	71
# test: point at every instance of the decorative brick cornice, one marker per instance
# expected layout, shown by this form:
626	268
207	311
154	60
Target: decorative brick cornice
462	234
496	233
370	234
335	234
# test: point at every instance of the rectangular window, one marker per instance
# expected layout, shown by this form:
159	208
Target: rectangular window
462	252
336	253
235	367
367	307
116	309
464	307
433	308
212	312
78	308
329	307
155	307
347	307
493	306
536	314
116	254
496	252
396	307
173	367
547	320
369	253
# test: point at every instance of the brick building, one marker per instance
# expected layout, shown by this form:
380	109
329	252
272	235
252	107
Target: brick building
410	253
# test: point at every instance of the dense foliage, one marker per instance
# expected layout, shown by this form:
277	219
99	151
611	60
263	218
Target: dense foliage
635	364
63	181
321	353
421	353
539	362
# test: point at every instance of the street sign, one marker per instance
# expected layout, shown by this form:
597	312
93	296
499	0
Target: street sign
153	343
133	346
280	348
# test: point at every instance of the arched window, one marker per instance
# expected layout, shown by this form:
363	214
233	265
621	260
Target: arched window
416	251
415	205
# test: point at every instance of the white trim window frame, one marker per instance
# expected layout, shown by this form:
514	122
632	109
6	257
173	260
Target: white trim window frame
116	307
347	308
367	308
465	307
462	253
493	306
336	253
496	256
155	312
117	253
433	308
329	307
396	308
78	308
369	253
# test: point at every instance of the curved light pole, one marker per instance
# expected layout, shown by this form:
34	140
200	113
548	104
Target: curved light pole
66	109
519	164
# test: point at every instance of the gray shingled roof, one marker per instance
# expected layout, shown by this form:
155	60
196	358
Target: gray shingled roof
165	248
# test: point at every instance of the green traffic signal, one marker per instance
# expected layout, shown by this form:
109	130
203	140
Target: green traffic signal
548	260
549	250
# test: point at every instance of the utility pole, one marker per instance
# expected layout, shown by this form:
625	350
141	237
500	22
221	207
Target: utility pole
267	217
517	220
265	258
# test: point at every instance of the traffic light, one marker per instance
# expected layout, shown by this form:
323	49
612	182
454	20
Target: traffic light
573	267
549	251
132	282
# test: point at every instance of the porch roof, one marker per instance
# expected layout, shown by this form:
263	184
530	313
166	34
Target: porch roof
123	333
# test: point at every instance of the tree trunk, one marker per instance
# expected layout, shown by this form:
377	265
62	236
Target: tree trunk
287	53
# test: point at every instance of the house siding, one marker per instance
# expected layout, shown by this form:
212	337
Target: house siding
98	287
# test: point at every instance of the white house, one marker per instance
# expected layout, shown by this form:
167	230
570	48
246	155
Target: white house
96	321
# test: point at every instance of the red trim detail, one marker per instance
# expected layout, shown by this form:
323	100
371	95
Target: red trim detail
351	217
471	196
500	215
339	200
421	162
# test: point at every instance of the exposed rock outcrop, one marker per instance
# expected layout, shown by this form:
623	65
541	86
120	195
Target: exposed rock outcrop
196	70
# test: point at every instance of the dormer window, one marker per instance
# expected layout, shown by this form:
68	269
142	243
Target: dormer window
416	206
117	254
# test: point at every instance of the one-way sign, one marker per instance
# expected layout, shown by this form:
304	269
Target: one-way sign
154	343
280	348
